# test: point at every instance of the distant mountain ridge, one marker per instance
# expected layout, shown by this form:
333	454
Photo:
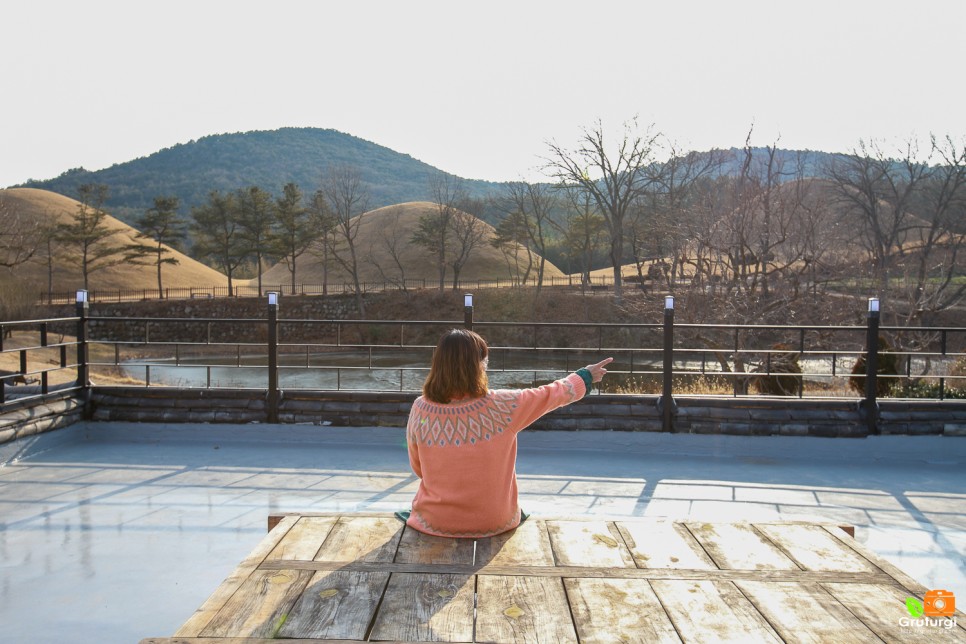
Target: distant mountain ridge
268	159
271	158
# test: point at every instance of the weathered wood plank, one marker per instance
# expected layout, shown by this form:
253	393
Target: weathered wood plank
805	613
522	609
707	611
588	543
432	608
815	549
418	547
577	571
618	610
900	577
527	545
336	605
882	608
303	540
664	544
739	546
223	593
362	539
261	605
236	640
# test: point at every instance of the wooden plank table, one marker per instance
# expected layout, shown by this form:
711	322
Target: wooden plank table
352	577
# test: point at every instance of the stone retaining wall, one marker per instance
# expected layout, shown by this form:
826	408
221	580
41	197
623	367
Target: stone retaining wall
725	415
697	415
39	418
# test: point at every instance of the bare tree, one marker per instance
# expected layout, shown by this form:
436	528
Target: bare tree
614	179
512	239
876	192
21	236
324	222
348	199
677	186
434	229
469	232
582	231
391	240
939	238
530	206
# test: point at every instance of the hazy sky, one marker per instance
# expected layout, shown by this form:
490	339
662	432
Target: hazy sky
476	89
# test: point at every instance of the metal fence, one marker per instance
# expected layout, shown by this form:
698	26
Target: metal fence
594	285
274	354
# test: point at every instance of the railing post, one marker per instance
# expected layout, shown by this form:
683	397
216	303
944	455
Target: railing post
83	364
870	405
665	403
468	311
273	357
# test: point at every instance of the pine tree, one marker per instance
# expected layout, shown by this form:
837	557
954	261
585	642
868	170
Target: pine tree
165	229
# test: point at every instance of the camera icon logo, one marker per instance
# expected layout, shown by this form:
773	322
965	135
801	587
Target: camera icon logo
939	603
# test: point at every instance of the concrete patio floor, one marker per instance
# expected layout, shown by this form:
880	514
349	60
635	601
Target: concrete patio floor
111	532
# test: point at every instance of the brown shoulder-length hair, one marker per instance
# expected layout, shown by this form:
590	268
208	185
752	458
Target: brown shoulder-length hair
457	369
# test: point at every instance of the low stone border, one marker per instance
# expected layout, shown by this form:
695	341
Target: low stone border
693	415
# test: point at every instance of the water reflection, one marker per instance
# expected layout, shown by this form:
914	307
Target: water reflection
400	369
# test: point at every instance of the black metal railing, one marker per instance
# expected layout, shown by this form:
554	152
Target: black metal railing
596	284
664	359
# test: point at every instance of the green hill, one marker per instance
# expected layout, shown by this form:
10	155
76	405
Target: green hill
268	159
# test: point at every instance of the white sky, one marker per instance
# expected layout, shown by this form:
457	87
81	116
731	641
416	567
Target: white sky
476	89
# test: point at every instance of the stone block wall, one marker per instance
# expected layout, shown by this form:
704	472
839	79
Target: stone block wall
696	415
39	418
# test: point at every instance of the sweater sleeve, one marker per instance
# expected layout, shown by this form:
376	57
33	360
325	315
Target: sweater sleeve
412	444
531	404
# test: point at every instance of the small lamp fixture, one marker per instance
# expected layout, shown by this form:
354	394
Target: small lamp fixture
81	296
873	305
669	302
272	298
468	300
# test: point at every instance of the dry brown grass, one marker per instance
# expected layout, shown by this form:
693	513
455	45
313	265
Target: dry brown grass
50	207
48	359
400	221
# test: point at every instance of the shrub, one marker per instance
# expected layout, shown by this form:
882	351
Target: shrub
888	366
775	382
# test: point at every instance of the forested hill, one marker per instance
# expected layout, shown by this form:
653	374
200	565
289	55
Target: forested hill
267	159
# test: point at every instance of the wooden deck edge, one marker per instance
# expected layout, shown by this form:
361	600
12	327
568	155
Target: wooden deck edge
275	519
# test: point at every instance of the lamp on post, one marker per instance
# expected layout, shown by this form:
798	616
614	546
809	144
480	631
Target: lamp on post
83	365
665	403
468	311
870	406
273	394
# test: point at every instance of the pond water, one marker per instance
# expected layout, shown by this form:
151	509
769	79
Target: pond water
396	369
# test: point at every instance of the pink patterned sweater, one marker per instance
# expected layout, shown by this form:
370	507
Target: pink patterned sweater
465	455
